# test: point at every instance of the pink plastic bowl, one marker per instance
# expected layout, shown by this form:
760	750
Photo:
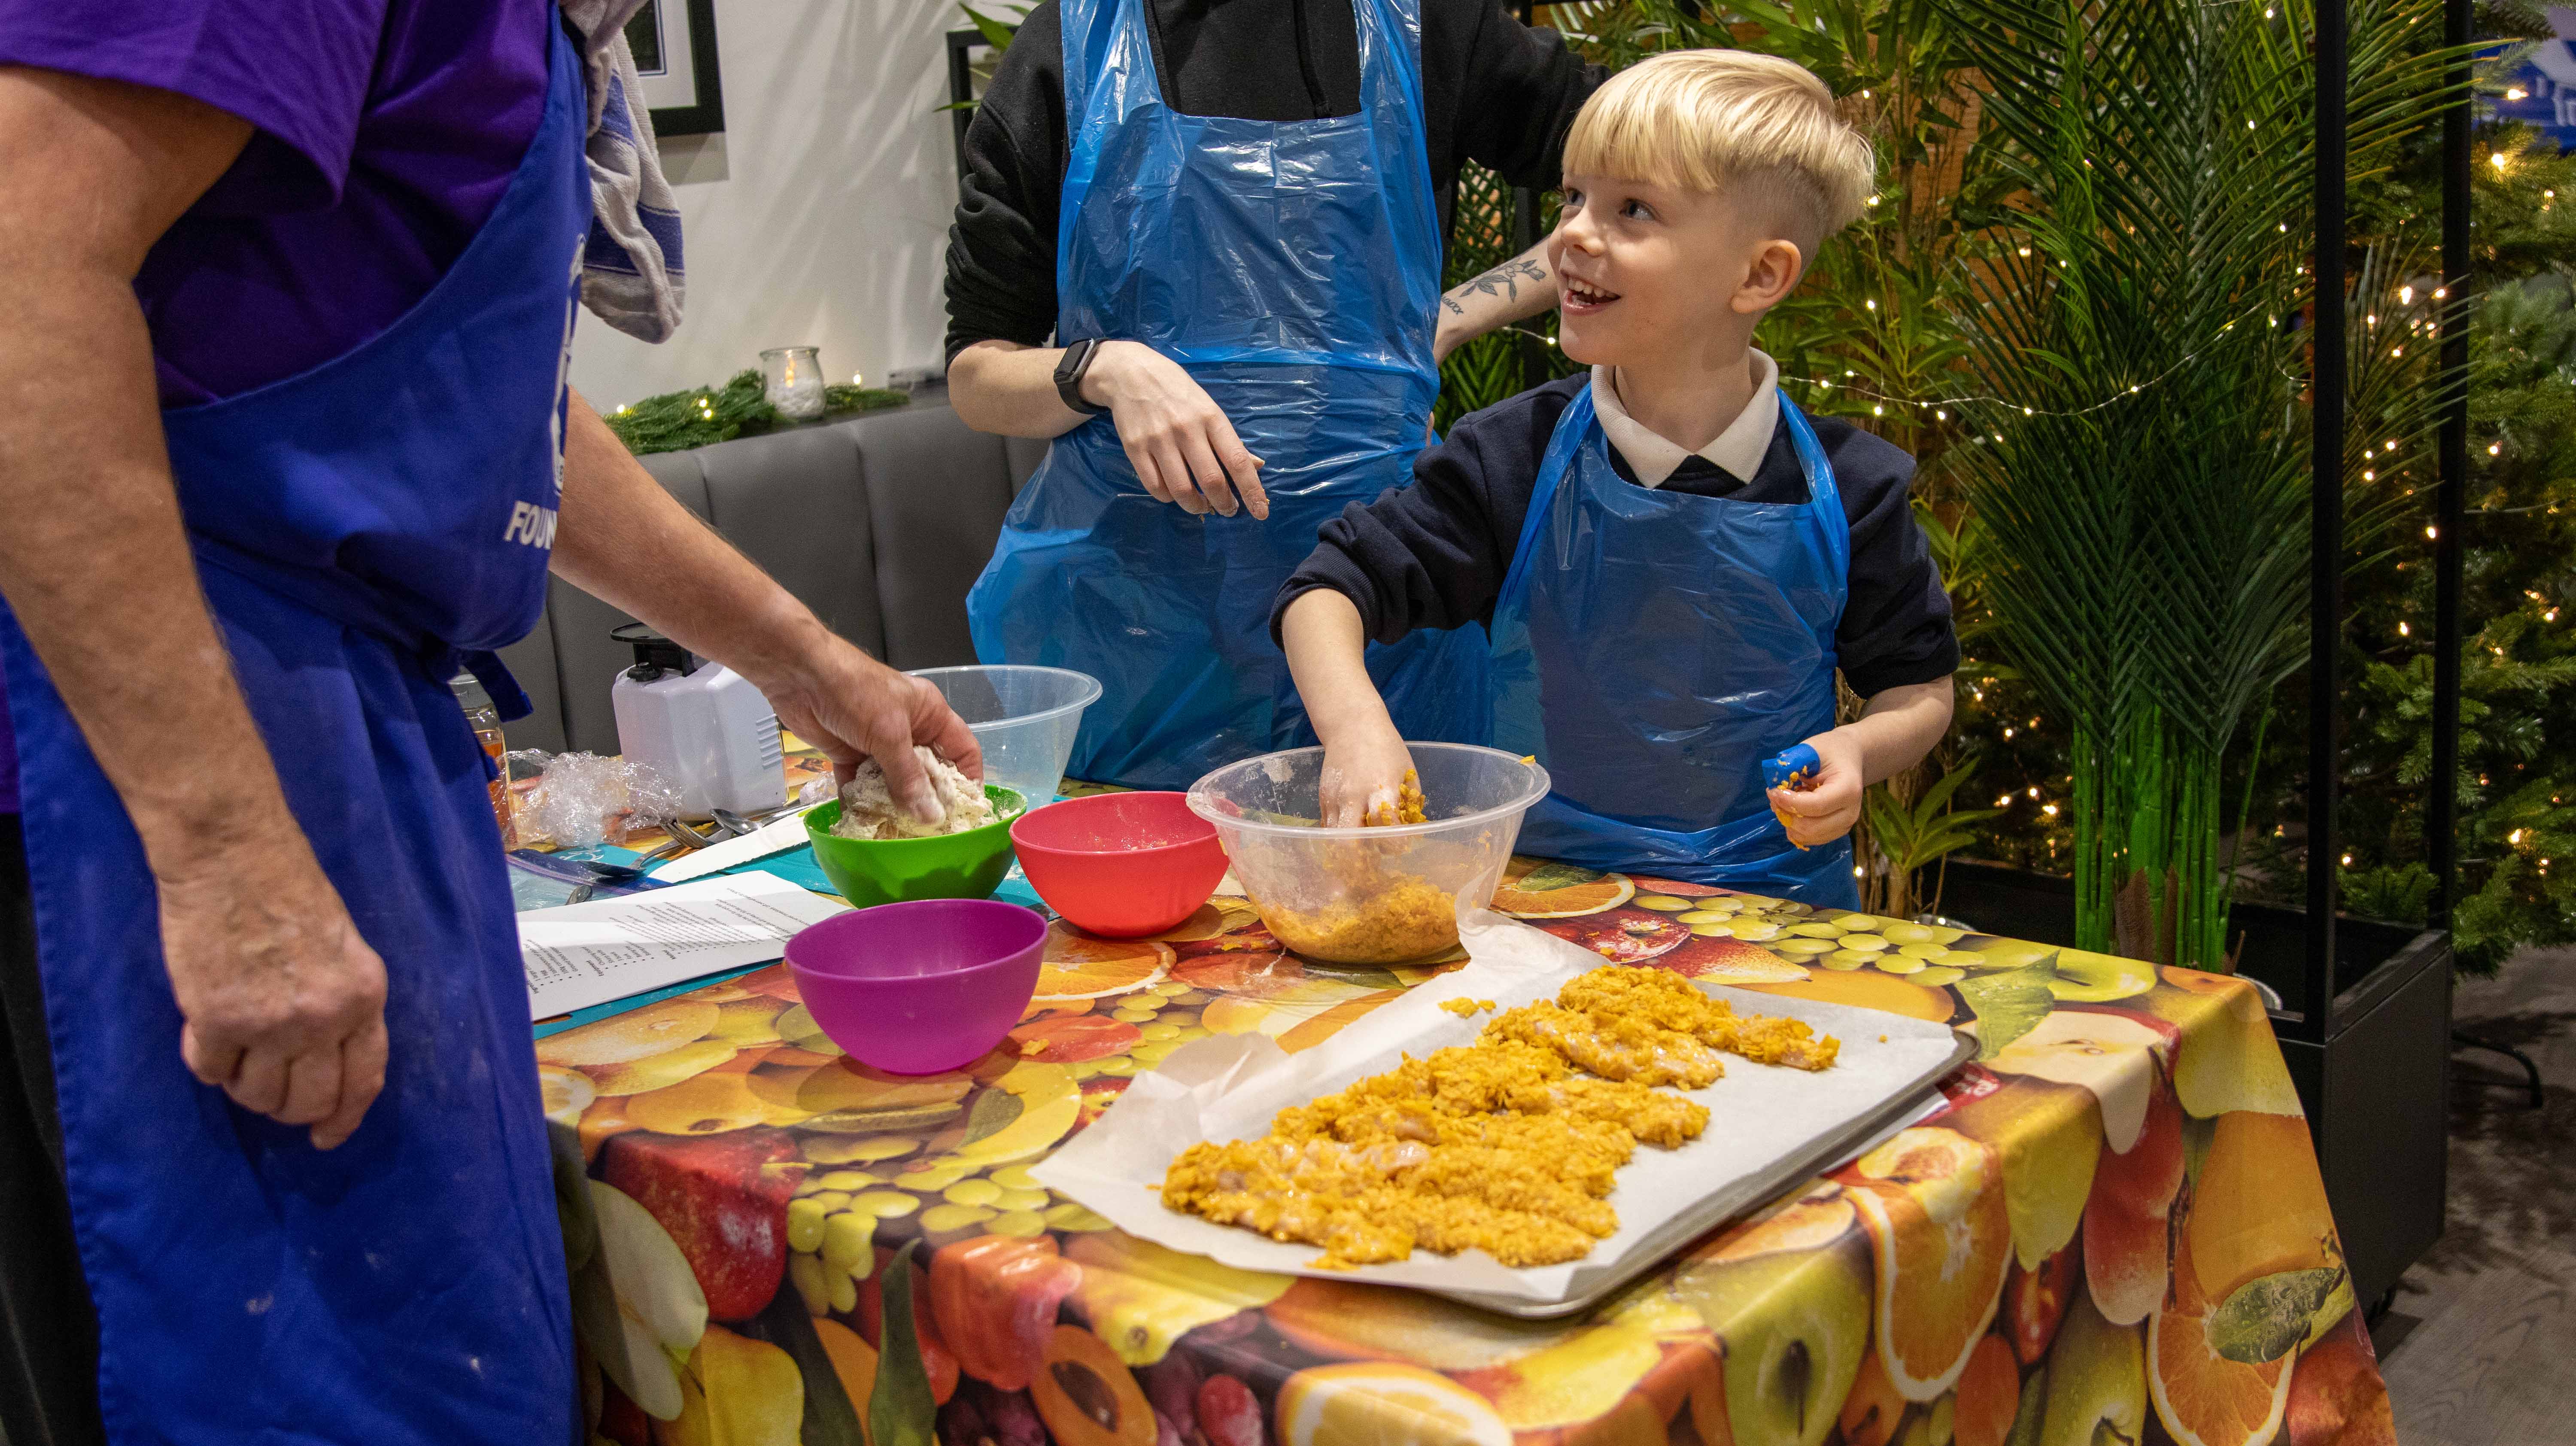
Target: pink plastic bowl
920	988
1122	865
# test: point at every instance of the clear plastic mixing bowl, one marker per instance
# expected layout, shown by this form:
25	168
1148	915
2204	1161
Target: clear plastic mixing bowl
1024	717
1369	895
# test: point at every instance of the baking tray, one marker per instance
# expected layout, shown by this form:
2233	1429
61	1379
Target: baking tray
1229	1086
1739	1198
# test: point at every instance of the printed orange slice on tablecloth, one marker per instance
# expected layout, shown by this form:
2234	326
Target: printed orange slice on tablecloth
1623	936
1535	890
1385	1404
2203	1398
1729	961
1222	915
1933	1202
1081	967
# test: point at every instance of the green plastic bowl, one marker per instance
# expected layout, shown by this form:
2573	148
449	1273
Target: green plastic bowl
869	872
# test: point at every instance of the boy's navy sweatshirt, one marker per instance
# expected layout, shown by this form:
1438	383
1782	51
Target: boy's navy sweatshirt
1433	555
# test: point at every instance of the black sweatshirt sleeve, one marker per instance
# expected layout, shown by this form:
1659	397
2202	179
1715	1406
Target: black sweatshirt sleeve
1434	554
1896	625
1001	249
1518	92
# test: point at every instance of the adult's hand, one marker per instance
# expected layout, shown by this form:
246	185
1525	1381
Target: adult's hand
1184	449
851	706
622	539
282	1003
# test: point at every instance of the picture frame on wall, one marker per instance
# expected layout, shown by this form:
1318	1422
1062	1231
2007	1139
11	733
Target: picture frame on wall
675	55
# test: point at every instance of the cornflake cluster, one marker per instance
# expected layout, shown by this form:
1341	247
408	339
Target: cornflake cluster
1509	1145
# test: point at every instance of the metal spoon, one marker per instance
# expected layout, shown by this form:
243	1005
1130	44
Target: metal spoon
734	824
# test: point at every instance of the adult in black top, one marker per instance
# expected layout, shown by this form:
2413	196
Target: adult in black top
1434	555
1494	91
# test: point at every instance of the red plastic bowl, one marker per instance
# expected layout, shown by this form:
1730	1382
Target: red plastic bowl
1122	865
923	987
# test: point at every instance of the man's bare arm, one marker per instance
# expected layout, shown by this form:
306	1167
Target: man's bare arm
283	1001
624	540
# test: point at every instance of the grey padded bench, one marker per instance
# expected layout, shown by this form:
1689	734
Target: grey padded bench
880	524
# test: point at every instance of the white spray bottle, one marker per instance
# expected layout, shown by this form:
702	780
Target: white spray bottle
702	724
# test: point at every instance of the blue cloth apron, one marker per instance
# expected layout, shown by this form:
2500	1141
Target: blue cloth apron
360	529
1294	270
1652	648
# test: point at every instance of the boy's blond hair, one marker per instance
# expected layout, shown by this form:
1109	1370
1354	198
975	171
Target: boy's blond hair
1703	120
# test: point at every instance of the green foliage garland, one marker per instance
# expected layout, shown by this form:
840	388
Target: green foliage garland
677	421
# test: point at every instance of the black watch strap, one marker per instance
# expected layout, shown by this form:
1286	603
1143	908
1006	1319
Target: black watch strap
1069	372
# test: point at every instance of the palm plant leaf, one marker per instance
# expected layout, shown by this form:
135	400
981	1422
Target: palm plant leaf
2133	310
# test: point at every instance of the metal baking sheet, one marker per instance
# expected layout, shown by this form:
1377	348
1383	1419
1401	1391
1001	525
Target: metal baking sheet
1769	1128
1827	1150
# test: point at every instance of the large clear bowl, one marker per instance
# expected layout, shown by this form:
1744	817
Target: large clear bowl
1024	717
1369	895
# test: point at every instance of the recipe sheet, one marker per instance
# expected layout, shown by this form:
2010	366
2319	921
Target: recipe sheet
585	954
1761	1117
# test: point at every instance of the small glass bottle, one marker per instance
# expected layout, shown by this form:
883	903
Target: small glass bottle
486	723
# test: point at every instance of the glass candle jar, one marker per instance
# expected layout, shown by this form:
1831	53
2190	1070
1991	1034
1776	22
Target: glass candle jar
792	380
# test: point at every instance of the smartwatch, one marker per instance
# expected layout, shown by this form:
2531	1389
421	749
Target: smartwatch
1068	376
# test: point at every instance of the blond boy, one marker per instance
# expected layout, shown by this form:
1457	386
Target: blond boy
1671	559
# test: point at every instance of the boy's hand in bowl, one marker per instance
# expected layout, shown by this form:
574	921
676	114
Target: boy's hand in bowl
1364	768
1825	805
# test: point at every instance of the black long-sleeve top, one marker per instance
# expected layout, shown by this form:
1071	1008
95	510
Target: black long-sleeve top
1494	91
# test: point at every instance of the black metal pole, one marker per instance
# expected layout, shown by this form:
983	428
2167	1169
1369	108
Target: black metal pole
2441	811
2325	529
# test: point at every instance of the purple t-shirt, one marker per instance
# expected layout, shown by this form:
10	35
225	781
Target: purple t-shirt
384	134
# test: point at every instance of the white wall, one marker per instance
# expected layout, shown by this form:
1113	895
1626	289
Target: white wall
821	215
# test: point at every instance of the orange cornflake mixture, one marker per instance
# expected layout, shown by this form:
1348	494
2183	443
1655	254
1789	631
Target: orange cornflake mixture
1397	917
1465	1007
1501	1145
1407	807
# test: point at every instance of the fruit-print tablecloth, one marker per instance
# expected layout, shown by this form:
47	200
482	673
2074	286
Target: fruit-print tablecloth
2114	1231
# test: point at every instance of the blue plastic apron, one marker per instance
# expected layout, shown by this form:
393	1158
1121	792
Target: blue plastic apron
1294	270
1653	648
360	529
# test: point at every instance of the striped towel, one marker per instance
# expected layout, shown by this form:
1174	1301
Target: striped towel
631	274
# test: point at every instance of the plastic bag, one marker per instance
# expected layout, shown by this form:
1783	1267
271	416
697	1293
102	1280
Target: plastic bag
583	798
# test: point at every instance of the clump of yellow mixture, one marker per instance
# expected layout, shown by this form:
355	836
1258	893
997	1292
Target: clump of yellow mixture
1407	917
1463	1008
1405	807
1499	1145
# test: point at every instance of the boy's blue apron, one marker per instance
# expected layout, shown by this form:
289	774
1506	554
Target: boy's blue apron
361	529
1294	270
1652	648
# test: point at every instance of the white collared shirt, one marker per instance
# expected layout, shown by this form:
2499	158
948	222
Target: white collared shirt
1736	451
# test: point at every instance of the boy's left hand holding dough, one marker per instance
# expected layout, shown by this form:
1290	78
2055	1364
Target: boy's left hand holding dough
1829	805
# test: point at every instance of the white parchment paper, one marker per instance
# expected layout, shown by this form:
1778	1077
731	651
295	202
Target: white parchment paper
1228	1087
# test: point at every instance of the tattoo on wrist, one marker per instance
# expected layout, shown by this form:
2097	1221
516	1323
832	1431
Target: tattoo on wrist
1505	279
1451	302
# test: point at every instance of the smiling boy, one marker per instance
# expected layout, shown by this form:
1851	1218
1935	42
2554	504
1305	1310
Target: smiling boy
1671	559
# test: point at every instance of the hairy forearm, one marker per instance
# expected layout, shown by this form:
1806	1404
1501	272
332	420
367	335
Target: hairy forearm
625	541
93	558
1009	389
96	565
1514	291
1899	726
